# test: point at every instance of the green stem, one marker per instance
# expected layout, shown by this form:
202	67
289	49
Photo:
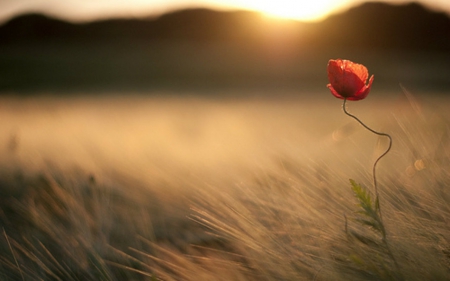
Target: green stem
377	202
379	158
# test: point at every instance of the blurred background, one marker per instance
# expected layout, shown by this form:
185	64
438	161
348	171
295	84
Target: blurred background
215	47
156	87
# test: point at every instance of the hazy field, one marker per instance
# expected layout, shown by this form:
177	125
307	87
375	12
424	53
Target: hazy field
230	187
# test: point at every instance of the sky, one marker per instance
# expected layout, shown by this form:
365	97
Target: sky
88	10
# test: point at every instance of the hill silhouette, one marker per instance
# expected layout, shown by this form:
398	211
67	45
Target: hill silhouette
378	25
189	25
371	25
206	49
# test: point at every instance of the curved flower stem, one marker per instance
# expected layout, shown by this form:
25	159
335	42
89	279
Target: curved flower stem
379	158
377	202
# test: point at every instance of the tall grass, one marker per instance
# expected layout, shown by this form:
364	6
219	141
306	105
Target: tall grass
290	216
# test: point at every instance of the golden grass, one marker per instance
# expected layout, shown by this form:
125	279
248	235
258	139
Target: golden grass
188	188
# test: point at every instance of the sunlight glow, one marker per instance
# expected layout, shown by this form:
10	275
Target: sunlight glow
85	10
299	10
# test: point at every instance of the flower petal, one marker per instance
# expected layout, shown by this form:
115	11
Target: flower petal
352	78
333	92
335	73
348	79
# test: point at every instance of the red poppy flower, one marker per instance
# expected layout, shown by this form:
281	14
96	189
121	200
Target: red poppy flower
348	79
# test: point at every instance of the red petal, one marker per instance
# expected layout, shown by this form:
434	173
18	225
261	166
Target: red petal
333	92
348	79
335	71
362	94
353	74
359	70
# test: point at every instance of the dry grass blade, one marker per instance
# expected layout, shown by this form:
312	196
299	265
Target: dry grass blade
14	256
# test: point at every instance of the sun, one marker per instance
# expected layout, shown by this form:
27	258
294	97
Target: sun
306	10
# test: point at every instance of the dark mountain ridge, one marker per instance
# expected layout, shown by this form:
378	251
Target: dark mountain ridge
377	25
370	25
203	49
191	25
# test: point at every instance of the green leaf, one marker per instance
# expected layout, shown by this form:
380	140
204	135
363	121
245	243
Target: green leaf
373	224
368	208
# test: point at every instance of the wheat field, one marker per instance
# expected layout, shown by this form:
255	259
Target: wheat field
221	187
